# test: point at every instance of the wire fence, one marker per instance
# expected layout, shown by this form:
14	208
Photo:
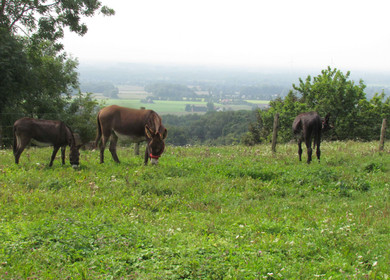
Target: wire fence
6	134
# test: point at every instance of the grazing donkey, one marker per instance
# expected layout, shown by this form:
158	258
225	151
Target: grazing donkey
45	133
136	125
306	126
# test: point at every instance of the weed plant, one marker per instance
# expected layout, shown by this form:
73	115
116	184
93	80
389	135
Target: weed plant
203	213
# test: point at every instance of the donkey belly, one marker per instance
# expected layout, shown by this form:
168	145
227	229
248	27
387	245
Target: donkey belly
41	144
132	138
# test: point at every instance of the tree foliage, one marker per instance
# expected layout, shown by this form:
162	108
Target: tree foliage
47	19
36	76
165	91
107	89
14	68
80	115
212	128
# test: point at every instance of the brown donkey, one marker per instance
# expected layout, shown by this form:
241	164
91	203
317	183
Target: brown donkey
45	133
137	125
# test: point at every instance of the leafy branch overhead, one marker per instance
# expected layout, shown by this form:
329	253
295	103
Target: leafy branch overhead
37	77
47	19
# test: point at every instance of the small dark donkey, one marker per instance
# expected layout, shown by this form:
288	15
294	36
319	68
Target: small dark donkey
307	126
45	133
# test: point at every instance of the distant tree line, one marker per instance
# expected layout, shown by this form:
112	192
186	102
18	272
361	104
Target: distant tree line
214	92
166	91
107	89
211	128
240	92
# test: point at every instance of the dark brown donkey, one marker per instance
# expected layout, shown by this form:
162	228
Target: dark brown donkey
46	133
307	126
137	125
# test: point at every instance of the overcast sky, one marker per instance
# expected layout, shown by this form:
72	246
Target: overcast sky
345	34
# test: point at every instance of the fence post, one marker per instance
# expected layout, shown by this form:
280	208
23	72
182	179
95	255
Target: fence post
1	136
275	132
383	134
136	146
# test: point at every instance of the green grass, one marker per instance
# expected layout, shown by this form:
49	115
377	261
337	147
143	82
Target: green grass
203	213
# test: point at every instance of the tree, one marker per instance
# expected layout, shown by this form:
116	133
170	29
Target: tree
166	91
370	115
210	106
332	92
80	115
353	116
53	78
13	68
47	19
36	77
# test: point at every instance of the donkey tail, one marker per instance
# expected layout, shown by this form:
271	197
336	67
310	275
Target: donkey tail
297	126
98	131
15	140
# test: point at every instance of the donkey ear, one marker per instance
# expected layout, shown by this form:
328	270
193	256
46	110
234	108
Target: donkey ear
148	132
165	134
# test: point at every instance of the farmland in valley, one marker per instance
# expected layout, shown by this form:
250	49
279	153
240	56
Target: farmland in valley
131	96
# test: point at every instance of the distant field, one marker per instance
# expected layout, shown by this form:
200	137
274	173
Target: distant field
131	96
258	102
132	92
172	107
167	107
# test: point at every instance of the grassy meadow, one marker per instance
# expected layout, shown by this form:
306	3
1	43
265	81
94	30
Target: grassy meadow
231	212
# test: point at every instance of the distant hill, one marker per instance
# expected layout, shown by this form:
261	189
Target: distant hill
219	78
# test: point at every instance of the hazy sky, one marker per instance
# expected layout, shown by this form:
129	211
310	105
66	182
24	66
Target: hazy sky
346	34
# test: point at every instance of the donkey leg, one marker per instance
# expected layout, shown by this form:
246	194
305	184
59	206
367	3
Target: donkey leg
18	152
318	152
21	145
146	155
53	155
113	141
309	150
102	146
63	148
300	149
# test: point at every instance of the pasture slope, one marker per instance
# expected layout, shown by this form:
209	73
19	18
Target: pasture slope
203	213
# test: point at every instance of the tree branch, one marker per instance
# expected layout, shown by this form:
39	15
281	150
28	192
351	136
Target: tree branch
18	17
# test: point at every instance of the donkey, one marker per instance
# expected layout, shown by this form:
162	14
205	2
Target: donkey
45	133
137	125
306	126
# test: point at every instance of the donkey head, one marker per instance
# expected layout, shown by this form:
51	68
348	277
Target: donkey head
325	123
74	154
156	143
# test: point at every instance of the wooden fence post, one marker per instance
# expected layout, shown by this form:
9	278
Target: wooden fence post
1	137
383	135
275	132
136	146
